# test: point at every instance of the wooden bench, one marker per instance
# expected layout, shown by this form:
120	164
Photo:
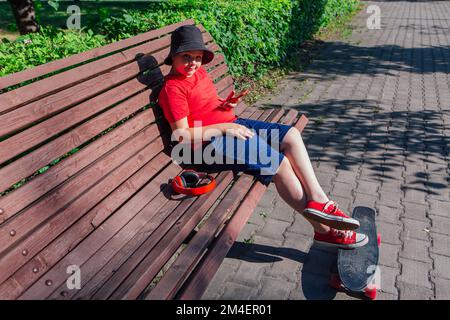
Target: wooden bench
90	150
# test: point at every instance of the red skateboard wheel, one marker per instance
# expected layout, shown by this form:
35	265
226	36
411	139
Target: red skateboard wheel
379	239
370	293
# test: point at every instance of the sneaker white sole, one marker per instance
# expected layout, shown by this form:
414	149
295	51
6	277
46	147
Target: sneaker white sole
339	223
344	246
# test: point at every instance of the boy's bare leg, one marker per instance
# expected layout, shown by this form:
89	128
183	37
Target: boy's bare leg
292	192
294	149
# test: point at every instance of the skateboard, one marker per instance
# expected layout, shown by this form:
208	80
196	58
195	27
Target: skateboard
357	269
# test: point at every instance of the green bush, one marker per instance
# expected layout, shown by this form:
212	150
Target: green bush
254	34
47	45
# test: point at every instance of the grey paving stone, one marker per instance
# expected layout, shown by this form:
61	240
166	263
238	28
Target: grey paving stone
348	177
415	272
249	273
441	264
415	249
390	233
388	214
387	280
362	199
285	269
298	243
390	199
386	296
247	232
324	178
237	291
219	281
440	224
368	187
259	216
441	244
415	229
414	292
274	229
342	189
274	289
415	211
282	211
301	226
345	204
389	255
267	201
313	286
442	289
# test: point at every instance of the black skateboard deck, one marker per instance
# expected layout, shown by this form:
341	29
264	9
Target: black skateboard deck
358	268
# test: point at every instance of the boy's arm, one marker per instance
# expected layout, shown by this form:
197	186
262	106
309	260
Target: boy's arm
183	133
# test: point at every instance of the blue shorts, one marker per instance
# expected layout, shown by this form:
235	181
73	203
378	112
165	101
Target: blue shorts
258	156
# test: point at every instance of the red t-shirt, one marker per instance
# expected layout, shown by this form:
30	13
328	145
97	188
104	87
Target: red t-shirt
195	98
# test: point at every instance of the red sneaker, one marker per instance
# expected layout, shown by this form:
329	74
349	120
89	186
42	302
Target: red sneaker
329	214
345	239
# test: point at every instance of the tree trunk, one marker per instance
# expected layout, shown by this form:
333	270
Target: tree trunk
25	16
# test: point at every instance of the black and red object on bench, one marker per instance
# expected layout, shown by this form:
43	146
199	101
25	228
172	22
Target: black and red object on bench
187	182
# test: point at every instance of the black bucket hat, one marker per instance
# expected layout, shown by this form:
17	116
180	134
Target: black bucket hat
188	38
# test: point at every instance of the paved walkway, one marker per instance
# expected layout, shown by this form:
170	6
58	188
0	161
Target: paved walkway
379	110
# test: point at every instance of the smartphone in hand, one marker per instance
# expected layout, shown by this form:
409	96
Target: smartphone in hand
231	98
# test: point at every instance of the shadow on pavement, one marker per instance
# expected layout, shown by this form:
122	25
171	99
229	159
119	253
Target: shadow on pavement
351	129
318	264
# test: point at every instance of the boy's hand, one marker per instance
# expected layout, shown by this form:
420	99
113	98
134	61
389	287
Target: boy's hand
231	101
227	105
239	131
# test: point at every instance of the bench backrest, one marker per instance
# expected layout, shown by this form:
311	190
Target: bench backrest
66	138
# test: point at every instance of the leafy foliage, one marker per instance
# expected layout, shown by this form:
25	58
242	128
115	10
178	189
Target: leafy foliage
255	35
47	45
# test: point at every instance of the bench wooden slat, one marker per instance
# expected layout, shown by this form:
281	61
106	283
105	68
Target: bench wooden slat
199	280
186	214
15	201
171	283
69	215
36	90
39	158
95	216
53	66
131	285
119	273
28	164
301	124
175	276
38	214
131	210
5	227
92	284
94	91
